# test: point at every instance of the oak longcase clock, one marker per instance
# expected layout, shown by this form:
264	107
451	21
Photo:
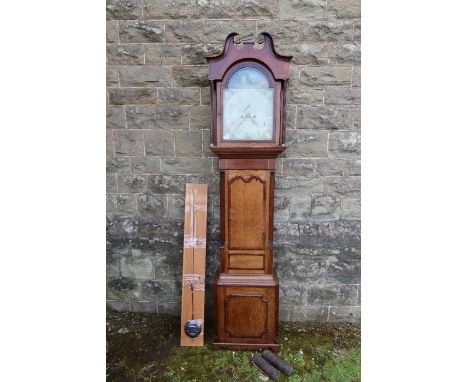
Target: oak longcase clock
248	85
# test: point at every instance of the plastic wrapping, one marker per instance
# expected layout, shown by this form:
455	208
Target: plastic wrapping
194	281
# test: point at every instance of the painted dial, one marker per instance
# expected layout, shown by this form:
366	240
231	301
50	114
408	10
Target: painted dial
248	106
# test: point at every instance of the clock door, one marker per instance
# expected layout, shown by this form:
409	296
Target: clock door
247	195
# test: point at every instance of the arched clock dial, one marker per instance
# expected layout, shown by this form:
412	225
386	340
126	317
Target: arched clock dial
248	107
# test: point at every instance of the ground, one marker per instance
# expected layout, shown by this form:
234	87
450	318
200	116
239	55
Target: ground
145	347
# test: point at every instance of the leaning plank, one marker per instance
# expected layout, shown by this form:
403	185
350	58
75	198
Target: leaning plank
193	279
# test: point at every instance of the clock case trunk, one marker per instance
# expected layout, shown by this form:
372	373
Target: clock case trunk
246	287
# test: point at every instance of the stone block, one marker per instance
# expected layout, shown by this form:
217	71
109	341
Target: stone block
162	54
115	117
300	208
119	306
128	54
111	183
190	75
122	288
290	118
325	207
344	8
299	185
112	76
145	165
342	96
131	183
135	96
211	179
357	118
328	167
109	143
157	117
302	9
171	308
330	234
345	144
292	293
164	9
158	289
118	165
159	142
305	96
353	167
332	294
112	31
325	75
356	82
217	30
350	314
179	96
324	117
300	268
205	96
281	30
306	144
120	204
308	313
305	53
351	208
137	268
123	9
112	265
154	206
186	165
206	139
357	31
188	143
196	53
167	184
344	272
176	206
299	167
345	53
144	306
343	185
329	30
141	31
281	205
141	76
128	142
200	117
184	31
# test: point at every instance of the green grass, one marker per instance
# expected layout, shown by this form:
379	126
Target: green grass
150	351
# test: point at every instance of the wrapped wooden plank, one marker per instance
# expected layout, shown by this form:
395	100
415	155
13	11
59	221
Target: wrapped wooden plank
194	256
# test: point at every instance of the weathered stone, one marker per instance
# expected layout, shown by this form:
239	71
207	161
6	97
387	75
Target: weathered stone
332	294
119	306
129	54
294	72
300	208
286	233
290	117
344	8
325	75
281	30
330	234
206	139
345	53
281	205
342	96
351	208
353	167
212	180
200	117
216	31
184	31
120	204
188	143
152	205
172	9
167	184
128	142
123	9
145	165
131	183
345	314
115	117
157	117
306	53
330	30
300	268
109	143
145	76
205	96
162	54
324	117
325	207
292	293
330	166
159	142
157	289
118	165
122	288
176	207
172	308
196	53
190	75
302	9
357	118
298	166
144	306
306	144
299	185
344	272
135	96
111	183
357	31
343	185
112	31
345	144
137	268
356	82
305	96
141	31
112	76
309	313
186	165
179	96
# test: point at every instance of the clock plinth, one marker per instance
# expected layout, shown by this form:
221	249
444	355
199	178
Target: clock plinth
248	85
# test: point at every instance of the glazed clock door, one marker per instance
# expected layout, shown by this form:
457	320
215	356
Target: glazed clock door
247	225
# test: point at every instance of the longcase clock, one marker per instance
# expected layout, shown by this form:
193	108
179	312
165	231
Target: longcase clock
248	95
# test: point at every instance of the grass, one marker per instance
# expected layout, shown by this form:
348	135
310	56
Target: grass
145	347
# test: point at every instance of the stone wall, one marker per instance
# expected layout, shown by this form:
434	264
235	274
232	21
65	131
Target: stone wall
158	135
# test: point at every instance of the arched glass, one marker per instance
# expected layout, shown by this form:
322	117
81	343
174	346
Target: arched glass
248	106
